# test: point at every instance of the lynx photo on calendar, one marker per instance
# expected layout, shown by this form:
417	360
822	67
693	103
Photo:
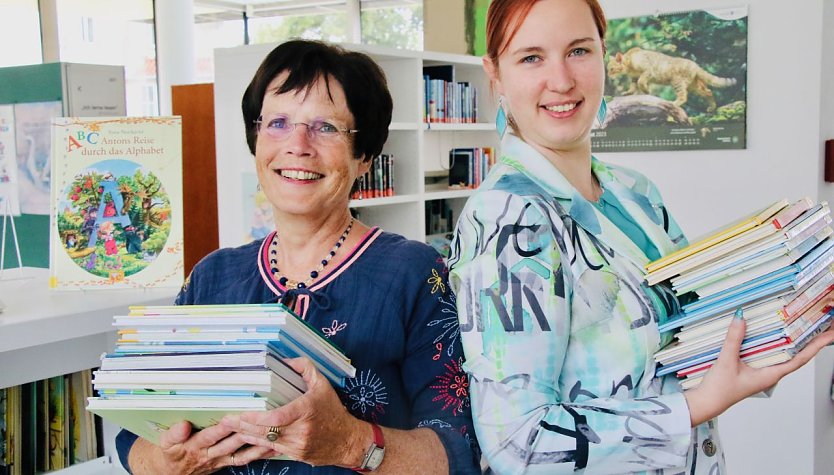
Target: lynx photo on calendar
117	213
675	81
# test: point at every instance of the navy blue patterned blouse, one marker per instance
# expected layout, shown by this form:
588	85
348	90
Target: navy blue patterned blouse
389	306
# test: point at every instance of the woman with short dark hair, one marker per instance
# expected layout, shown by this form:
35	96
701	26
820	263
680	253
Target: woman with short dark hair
315	116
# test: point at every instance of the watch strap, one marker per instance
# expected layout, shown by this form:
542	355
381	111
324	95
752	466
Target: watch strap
378	443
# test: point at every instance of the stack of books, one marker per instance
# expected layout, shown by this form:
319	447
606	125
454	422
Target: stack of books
775	265
201	362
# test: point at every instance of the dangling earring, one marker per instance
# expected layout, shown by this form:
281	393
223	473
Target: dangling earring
501	118
603	109
258	187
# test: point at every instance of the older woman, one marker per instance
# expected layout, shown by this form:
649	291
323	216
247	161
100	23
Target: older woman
315	115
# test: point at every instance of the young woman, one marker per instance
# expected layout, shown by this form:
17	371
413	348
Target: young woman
559	328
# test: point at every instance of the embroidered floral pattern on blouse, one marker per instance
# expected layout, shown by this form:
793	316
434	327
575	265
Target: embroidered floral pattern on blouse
334	328
452	387
365	395
247	470
448	324
437	282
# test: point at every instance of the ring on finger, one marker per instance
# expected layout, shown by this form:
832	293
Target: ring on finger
272	433
232	461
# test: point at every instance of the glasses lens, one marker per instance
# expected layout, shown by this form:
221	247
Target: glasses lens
277	127
324	131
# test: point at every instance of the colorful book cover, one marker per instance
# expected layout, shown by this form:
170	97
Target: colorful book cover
57	414
117	216
721	235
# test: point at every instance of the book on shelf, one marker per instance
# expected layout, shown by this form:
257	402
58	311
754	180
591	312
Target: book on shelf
776	266
44	427
200	362
468	167
378	182
117	209
445	99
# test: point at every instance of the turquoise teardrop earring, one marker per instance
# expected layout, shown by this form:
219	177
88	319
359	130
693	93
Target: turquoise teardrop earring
603	109
501	119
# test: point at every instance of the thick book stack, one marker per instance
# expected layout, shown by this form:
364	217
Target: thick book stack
775	265
201	362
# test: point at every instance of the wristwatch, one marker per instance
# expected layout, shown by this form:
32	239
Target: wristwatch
375	454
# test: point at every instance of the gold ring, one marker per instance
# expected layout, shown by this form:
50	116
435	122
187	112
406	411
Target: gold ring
232	459
272	433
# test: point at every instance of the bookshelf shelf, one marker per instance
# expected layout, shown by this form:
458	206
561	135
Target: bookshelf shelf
45	333
420	150
388	200
446	127
405	126
448	194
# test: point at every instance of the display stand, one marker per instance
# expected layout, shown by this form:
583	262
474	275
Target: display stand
8	218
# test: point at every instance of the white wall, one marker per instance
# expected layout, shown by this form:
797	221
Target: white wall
788	116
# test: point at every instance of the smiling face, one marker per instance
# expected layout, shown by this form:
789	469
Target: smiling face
551	75
300	175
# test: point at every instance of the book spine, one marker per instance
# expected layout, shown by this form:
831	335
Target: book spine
809	243
823	323
815	221
784	217
818	259
808	298
798	327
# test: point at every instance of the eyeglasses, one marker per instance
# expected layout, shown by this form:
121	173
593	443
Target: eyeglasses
280	128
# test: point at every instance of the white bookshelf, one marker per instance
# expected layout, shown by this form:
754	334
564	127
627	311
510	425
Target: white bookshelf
46	333
419	149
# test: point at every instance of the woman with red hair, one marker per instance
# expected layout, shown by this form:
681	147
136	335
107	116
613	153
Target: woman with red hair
558	325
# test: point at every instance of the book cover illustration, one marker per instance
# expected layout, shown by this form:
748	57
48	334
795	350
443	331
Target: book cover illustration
117	203
32	136
9	202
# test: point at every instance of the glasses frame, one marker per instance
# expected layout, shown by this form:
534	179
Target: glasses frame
312	136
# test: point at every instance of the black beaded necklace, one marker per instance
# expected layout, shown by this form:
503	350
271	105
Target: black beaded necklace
289	283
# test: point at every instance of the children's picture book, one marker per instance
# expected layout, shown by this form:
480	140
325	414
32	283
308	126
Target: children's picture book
117	212
159	374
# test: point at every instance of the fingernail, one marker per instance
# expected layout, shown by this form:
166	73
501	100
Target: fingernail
739	314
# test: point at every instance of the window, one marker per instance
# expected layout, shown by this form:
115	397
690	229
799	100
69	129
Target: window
224	24
117	33
20	33
328	23
214	27
395	24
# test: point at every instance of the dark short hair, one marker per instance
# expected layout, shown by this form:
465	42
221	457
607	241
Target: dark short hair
363	81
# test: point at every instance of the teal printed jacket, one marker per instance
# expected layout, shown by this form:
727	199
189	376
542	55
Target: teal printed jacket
559	328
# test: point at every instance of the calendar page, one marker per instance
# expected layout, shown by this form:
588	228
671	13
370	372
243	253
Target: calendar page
675	81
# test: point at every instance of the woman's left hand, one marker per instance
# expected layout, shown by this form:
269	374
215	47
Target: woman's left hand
315	428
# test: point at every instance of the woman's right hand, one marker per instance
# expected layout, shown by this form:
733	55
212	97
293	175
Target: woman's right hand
203	452
730	380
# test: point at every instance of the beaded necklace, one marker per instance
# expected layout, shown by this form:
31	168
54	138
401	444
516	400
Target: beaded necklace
289	283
